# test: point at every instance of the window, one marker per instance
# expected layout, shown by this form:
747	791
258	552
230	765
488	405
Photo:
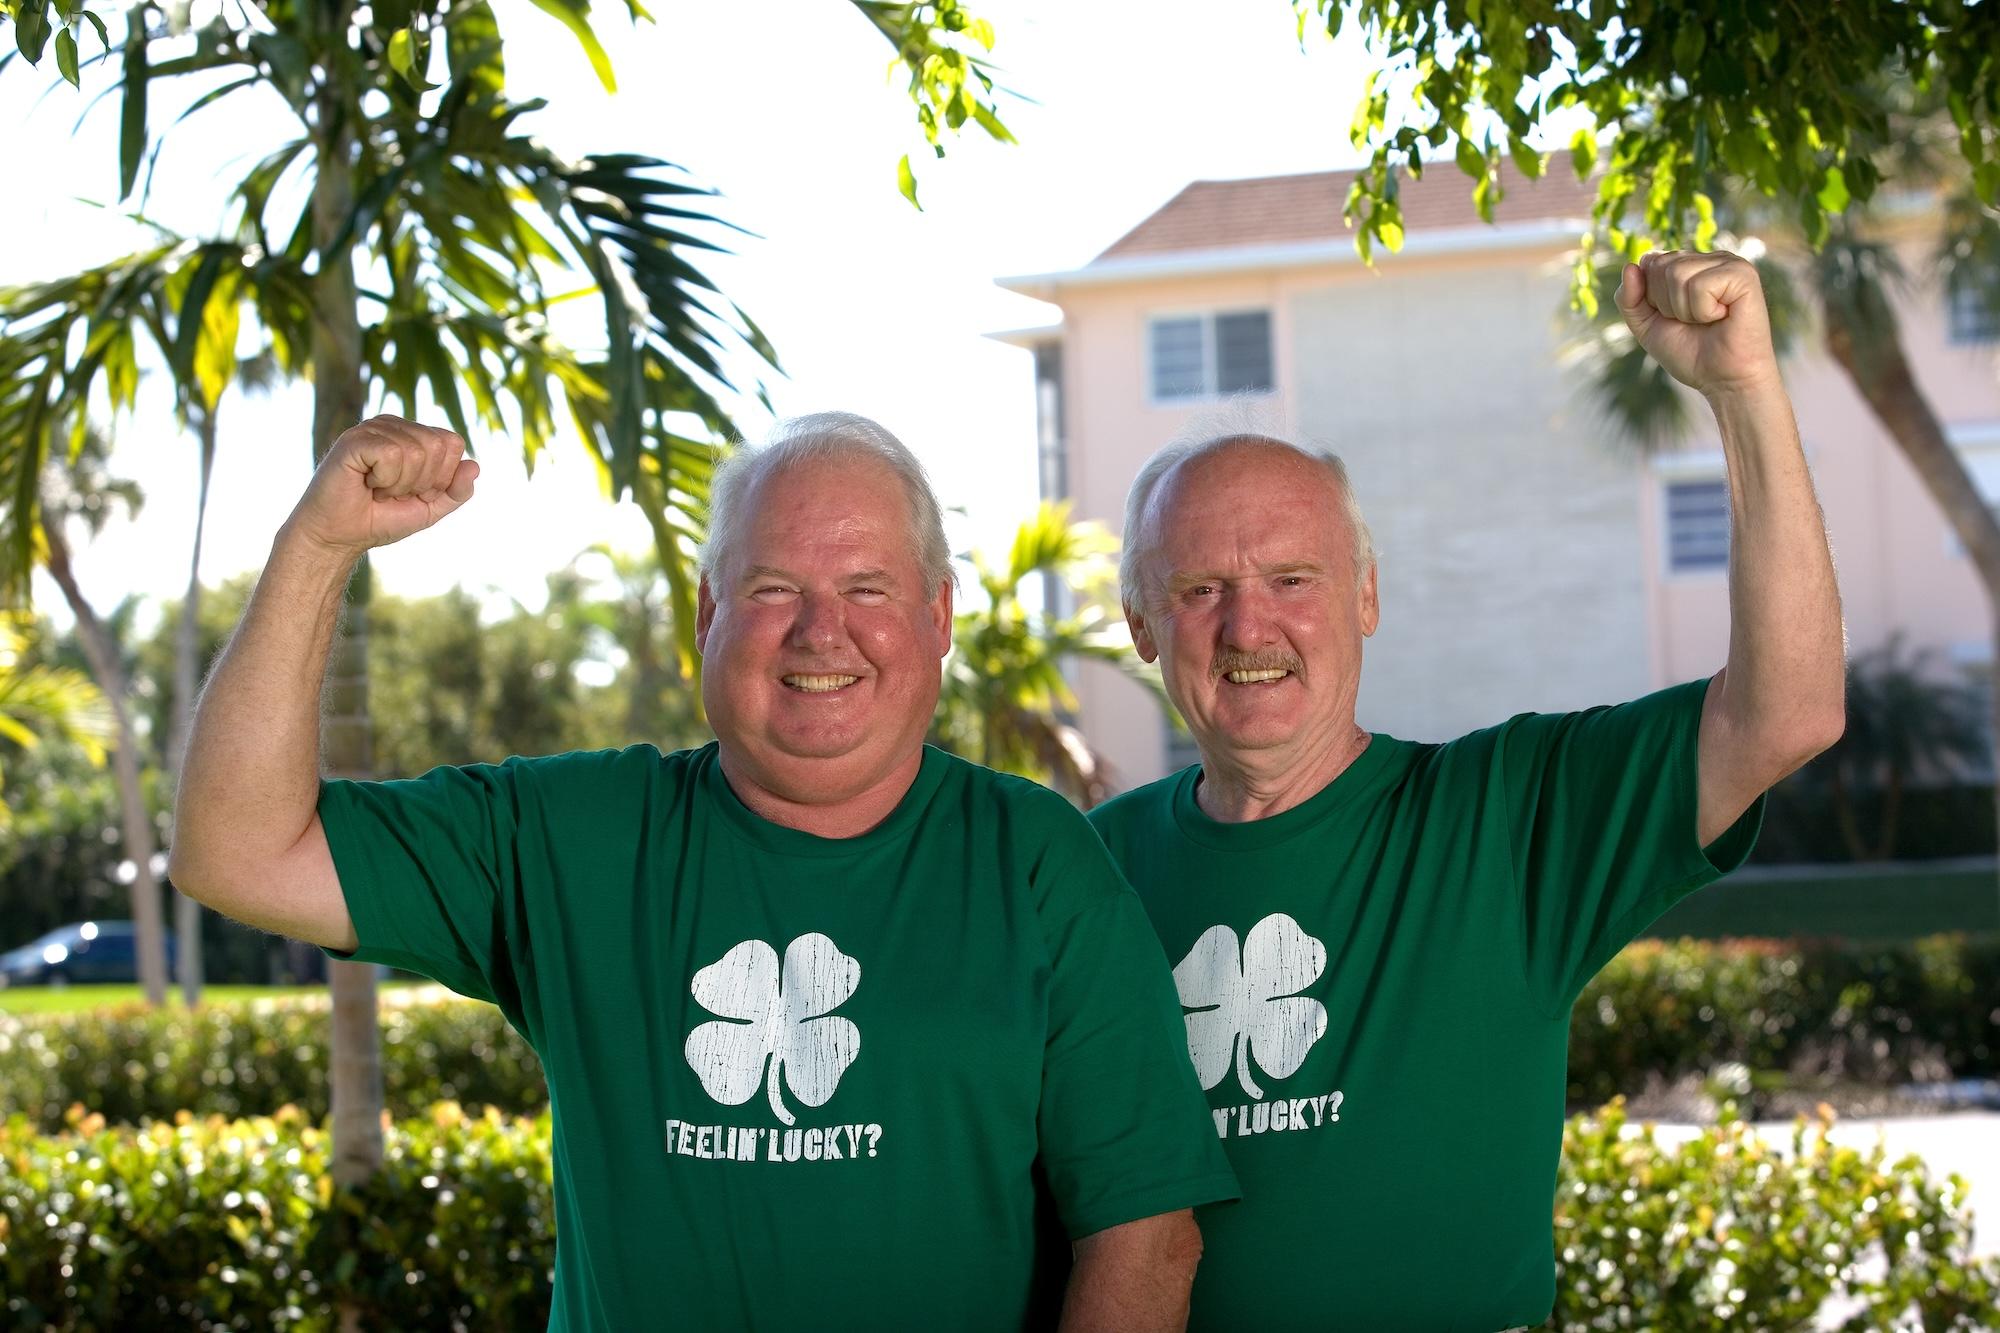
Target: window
1975	315
1697	526
1203	356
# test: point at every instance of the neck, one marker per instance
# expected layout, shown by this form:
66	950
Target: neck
1236	788
808	809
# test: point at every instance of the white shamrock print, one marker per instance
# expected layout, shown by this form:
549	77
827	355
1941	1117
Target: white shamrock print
780	1016
1248	1004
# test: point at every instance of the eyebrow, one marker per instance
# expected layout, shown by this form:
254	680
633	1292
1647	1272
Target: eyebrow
881	576
1181	582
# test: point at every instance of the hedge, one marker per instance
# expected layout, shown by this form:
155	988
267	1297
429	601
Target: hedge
1925	1010
216	1224
131	1063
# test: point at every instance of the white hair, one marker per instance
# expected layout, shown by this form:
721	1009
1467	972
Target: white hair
1139	500
822	436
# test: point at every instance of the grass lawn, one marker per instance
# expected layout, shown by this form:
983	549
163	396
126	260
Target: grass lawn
75	999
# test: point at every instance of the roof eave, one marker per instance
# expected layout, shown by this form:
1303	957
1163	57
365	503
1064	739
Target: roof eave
1222	261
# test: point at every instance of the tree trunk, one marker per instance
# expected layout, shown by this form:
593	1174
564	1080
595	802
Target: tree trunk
338	401
187	644
1874	360
134	819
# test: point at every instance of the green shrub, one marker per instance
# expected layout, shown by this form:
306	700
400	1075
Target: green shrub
131	1064
1925	1010
1930	1009
235	1224
1727	1233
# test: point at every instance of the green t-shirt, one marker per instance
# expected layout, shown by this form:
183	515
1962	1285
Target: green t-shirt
1377	986
798	1081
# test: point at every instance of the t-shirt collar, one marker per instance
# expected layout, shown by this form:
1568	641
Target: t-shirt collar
1369	770
761	832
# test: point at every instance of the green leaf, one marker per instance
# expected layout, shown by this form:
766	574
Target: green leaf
103	34
576	19
1986	183
1833	191
1583	151
1526	160
194	311
31	31
215	349
1689	42
906	181
1704	230
410	58
132	122
66	56
1470	160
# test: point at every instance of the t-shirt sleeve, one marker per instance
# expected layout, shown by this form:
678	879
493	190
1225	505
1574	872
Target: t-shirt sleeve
1601	817
1125	1131
427	866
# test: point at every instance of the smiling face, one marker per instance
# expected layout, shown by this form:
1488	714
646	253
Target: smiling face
1252	604
820	639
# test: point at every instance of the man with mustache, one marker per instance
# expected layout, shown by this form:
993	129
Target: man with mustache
840	1031
1377	942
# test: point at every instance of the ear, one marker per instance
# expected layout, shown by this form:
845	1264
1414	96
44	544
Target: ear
1371	606
1142	634
941	617
704	616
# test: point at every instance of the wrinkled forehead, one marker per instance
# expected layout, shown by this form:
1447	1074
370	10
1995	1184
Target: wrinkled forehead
837	512
1247	501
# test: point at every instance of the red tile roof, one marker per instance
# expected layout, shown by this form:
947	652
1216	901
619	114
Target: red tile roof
1278	210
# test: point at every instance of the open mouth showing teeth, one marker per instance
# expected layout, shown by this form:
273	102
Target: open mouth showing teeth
819	684
1254	677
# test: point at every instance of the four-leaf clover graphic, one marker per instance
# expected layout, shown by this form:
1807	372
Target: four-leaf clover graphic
1247	1003
782	1016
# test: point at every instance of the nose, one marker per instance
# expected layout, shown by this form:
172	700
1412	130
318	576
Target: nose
819	625
1247	623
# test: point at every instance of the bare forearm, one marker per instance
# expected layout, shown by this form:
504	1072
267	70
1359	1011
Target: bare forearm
1134	1278
1786	673
250	782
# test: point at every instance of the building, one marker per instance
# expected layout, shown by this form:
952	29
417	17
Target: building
1530	558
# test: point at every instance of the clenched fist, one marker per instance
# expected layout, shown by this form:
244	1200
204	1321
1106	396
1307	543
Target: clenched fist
383	480
1702	317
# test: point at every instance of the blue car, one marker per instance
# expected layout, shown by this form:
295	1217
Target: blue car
83	953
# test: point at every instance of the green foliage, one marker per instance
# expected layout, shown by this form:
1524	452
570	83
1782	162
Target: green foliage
1670	95
1729	1233
942	47
131	1064
42	702
1878	1015
199	1223
210	1223
1004	701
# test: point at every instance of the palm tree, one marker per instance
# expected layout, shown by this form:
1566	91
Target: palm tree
39	703
1848	282
85	494
1005	702
1907	722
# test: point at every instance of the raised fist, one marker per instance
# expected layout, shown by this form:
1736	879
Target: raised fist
383	480
1701	315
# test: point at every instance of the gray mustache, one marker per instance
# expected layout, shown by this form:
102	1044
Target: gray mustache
1228	662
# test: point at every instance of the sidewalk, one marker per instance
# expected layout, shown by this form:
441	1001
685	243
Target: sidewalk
1967	1142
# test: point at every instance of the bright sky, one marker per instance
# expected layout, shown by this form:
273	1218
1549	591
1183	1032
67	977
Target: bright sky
785	108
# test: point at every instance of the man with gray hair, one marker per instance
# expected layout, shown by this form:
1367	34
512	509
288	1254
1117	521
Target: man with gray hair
840	1031
1378	943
